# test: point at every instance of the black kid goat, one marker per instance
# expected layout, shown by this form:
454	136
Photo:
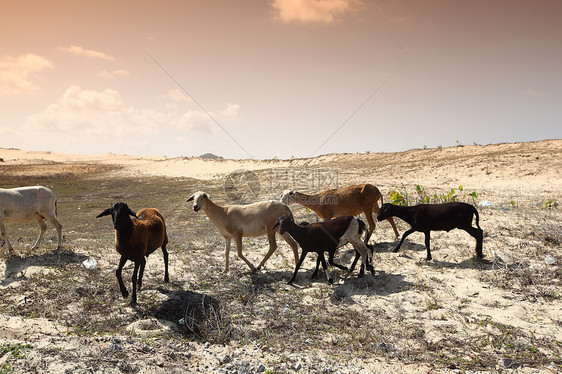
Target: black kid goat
435	217
323	237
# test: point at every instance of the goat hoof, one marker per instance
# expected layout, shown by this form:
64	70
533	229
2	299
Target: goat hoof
330	280
166	279
395	250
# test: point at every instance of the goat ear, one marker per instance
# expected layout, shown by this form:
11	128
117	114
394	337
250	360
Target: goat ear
104	213
190	198
131	213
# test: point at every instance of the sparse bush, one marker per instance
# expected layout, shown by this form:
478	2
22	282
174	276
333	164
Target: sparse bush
402	197
550	204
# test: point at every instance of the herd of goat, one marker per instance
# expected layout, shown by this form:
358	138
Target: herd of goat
139	234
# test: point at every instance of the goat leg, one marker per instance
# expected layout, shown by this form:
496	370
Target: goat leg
479	240
141	272
477	234
317	266
226	254
402	240
428	258
352	267
272	247
118	272
241	255
43	229
325	266
134	279
301	259
331	261
165	253
357	255
3	231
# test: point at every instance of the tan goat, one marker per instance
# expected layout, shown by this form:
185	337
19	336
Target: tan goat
238	221
344	201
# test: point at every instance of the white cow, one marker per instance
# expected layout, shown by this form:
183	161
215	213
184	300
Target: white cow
23	204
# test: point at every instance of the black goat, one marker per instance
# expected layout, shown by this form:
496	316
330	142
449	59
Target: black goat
323	237
135	239
362	228
435	217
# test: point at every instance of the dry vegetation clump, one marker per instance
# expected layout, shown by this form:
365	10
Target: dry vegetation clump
533	266
50	171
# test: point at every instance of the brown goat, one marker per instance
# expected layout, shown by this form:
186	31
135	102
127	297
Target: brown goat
344	201
135	239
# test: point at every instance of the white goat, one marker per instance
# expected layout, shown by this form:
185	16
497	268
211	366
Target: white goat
23	204
238	221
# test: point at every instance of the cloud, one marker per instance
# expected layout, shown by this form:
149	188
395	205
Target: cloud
178	96
16	73
113	74
313	11
533	93
79	51
91	116
231	112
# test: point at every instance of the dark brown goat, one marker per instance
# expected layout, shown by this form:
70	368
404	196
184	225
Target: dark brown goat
323	237
135	239
435	217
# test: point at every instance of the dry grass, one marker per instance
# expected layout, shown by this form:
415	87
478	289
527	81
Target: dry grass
260	309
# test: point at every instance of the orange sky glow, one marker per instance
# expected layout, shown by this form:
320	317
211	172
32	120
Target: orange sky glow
279	78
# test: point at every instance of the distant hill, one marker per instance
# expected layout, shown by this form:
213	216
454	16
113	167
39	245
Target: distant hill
210	156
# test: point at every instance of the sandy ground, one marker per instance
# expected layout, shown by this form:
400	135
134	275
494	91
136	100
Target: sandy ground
507	175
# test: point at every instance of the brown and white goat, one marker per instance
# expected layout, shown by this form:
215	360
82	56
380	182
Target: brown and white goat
327	236
350	200
135	239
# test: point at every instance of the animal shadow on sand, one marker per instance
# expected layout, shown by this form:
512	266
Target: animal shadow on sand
200	313
411	247
469	263
15	264
388	247
381	284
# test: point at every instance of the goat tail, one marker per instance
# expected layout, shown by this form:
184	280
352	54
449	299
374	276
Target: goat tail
477	217
362	226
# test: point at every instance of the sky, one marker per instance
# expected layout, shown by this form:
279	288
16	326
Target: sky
277	78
